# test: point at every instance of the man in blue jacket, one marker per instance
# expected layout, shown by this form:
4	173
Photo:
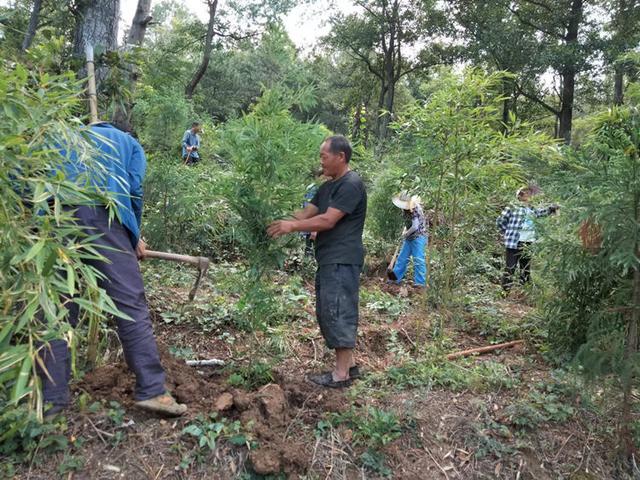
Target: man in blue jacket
121	169
191	144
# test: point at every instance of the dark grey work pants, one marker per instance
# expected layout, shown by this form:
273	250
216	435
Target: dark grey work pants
514	257
337	295
123	283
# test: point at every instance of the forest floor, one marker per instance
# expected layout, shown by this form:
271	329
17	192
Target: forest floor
412	415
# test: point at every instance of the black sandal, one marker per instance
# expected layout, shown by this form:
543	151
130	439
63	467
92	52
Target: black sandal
326	380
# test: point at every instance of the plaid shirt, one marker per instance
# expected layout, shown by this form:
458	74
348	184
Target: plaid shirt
418	224
511	221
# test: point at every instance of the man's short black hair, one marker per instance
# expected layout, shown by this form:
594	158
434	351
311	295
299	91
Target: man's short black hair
195	124
339	144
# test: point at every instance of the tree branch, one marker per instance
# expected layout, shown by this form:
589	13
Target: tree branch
367	62
535	99
533	25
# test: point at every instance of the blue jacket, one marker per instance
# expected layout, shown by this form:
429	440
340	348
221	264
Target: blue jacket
190	139
125	164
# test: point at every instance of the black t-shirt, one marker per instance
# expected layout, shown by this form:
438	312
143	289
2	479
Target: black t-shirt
343	243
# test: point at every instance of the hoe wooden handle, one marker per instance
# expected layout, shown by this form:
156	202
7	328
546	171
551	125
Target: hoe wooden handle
200	262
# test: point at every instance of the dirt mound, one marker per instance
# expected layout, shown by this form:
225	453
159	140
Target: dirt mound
276	415
116	382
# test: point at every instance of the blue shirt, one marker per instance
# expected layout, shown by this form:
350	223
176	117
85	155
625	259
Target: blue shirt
190	139
124	166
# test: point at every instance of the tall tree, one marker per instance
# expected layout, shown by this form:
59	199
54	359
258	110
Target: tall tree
569	41
497	40
140	22
33	25
624	28
96	25
381	37
206	54
135	38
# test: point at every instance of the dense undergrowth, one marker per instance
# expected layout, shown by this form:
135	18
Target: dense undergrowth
452	149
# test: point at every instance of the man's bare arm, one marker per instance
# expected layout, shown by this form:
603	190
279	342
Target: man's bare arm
317	223
309	211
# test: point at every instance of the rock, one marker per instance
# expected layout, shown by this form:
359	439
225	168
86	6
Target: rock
272	402
241	400
224	402
265	461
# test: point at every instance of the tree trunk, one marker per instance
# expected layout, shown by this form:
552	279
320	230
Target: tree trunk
618	85
33	25
569	73
206	56
566	111
357	123
140	22
97	25
122	114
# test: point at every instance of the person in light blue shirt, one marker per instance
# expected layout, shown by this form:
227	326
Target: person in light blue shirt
191	144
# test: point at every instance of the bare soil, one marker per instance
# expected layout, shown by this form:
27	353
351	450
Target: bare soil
447	433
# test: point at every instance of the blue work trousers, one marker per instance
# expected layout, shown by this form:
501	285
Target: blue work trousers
123	283
413	248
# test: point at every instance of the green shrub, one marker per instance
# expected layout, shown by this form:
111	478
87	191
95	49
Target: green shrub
42	250
185	210
161	118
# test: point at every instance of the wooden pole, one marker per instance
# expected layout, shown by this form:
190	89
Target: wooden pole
91	84
490	348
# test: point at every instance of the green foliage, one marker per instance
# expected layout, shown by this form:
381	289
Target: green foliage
384	219
161	118
42	248
587	305
184	210
252	375
542	404
372	428
208	431
455	153
71	463
426	372
385	305
271	156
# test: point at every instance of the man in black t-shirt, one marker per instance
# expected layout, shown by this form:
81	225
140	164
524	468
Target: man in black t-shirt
337	213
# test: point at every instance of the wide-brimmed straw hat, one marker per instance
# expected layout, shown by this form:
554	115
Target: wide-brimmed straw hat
405	201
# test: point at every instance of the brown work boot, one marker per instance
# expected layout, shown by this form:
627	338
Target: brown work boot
163	404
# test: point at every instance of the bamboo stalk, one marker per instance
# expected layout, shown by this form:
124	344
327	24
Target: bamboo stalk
91	84
489	348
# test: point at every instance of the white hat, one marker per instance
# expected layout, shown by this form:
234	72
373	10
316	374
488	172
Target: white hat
405	201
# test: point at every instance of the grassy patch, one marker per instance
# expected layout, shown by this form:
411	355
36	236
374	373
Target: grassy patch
433	373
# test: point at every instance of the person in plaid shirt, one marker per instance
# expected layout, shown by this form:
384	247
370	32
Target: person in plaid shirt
516	225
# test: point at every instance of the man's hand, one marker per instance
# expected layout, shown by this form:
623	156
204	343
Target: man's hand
141	249
280	228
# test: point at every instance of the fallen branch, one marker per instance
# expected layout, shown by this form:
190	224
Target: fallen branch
489	348
204	363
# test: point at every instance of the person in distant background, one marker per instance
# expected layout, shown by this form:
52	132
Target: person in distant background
191	144
516	226
414	240
310	192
